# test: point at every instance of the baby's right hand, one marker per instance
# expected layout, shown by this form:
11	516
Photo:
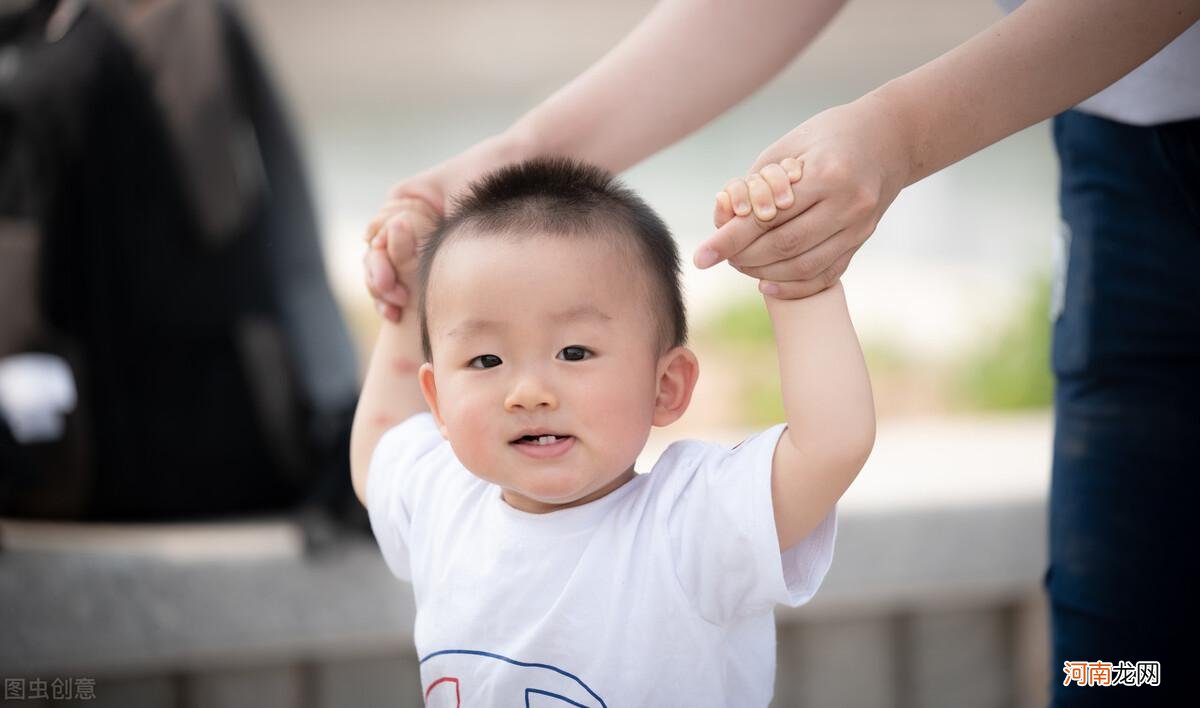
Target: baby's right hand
391	258
760	194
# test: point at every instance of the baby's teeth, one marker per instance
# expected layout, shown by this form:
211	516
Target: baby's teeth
546	439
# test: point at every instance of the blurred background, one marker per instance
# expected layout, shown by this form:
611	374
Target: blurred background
934	597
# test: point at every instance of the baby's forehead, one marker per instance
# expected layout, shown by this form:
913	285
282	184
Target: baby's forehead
543	273
474	249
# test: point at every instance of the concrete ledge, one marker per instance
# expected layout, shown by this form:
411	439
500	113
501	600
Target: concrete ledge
936	578
67	612
918	558
103	612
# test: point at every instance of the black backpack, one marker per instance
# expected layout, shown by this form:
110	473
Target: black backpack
158	236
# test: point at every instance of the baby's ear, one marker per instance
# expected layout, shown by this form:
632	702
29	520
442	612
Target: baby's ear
429	390
678	371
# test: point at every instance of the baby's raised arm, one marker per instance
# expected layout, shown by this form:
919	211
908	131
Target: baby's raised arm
390	392
826	391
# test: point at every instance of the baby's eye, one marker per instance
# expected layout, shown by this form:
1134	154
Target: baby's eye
574	353
484	361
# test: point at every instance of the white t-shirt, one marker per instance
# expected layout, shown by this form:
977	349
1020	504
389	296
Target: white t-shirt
1164	89
659	594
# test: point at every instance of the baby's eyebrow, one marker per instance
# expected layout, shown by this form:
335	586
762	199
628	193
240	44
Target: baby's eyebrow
582	312
472	326
579	312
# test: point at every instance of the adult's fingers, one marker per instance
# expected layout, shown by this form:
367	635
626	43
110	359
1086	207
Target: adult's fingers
391	207
425	214
731	238
740	233
790	238
375	226
420	189
809	264
796	289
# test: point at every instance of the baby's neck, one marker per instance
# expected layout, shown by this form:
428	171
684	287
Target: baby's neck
534	506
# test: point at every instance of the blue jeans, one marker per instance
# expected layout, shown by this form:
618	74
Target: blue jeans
1125	495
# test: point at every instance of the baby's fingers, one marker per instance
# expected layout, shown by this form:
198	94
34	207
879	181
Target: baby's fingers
793	167
381	282
781	187
723	210
739	196
761	198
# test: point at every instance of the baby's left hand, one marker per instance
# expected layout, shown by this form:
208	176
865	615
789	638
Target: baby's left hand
761	194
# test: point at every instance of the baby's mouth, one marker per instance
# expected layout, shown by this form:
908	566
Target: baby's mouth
539	440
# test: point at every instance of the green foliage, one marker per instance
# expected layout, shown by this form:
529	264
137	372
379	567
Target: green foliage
763	404
742	336
1008	371
884	358
744	324
1012	370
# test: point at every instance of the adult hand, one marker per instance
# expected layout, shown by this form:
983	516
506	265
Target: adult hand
854	161
425	198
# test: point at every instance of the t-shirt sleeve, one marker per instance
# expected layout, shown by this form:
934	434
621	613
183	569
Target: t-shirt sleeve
394	473
724	543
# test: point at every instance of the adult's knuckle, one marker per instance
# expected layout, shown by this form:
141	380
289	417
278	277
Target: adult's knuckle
806	267
752	271
829	276
869	227
786	243
836	171
864	200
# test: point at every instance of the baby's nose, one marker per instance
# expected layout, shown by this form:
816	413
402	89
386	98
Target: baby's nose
530	393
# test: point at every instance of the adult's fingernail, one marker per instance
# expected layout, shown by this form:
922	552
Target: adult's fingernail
381	309
707	258
769	288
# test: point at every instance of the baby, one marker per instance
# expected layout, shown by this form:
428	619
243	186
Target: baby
499	474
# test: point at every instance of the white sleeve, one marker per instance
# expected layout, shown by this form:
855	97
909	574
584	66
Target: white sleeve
391	478
724	543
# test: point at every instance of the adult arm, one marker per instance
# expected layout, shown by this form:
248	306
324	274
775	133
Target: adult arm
687	62
684	64
1043	58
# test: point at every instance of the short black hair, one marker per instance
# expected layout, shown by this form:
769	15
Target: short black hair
561	196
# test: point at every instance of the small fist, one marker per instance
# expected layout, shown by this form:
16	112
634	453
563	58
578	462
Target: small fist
390	261
761	194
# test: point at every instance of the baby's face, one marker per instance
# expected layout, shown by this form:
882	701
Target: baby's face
544	370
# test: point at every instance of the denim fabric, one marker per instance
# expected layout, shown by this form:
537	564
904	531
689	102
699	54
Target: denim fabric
1124	501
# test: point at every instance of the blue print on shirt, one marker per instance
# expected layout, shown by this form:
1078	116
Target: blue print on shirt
531	685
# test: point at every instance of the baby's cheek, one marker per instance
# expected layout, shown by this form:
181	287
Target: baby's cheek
469	430
628	417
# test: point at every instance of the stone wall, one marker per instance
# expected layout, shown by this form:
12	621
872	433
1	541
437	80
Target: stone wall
924	607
